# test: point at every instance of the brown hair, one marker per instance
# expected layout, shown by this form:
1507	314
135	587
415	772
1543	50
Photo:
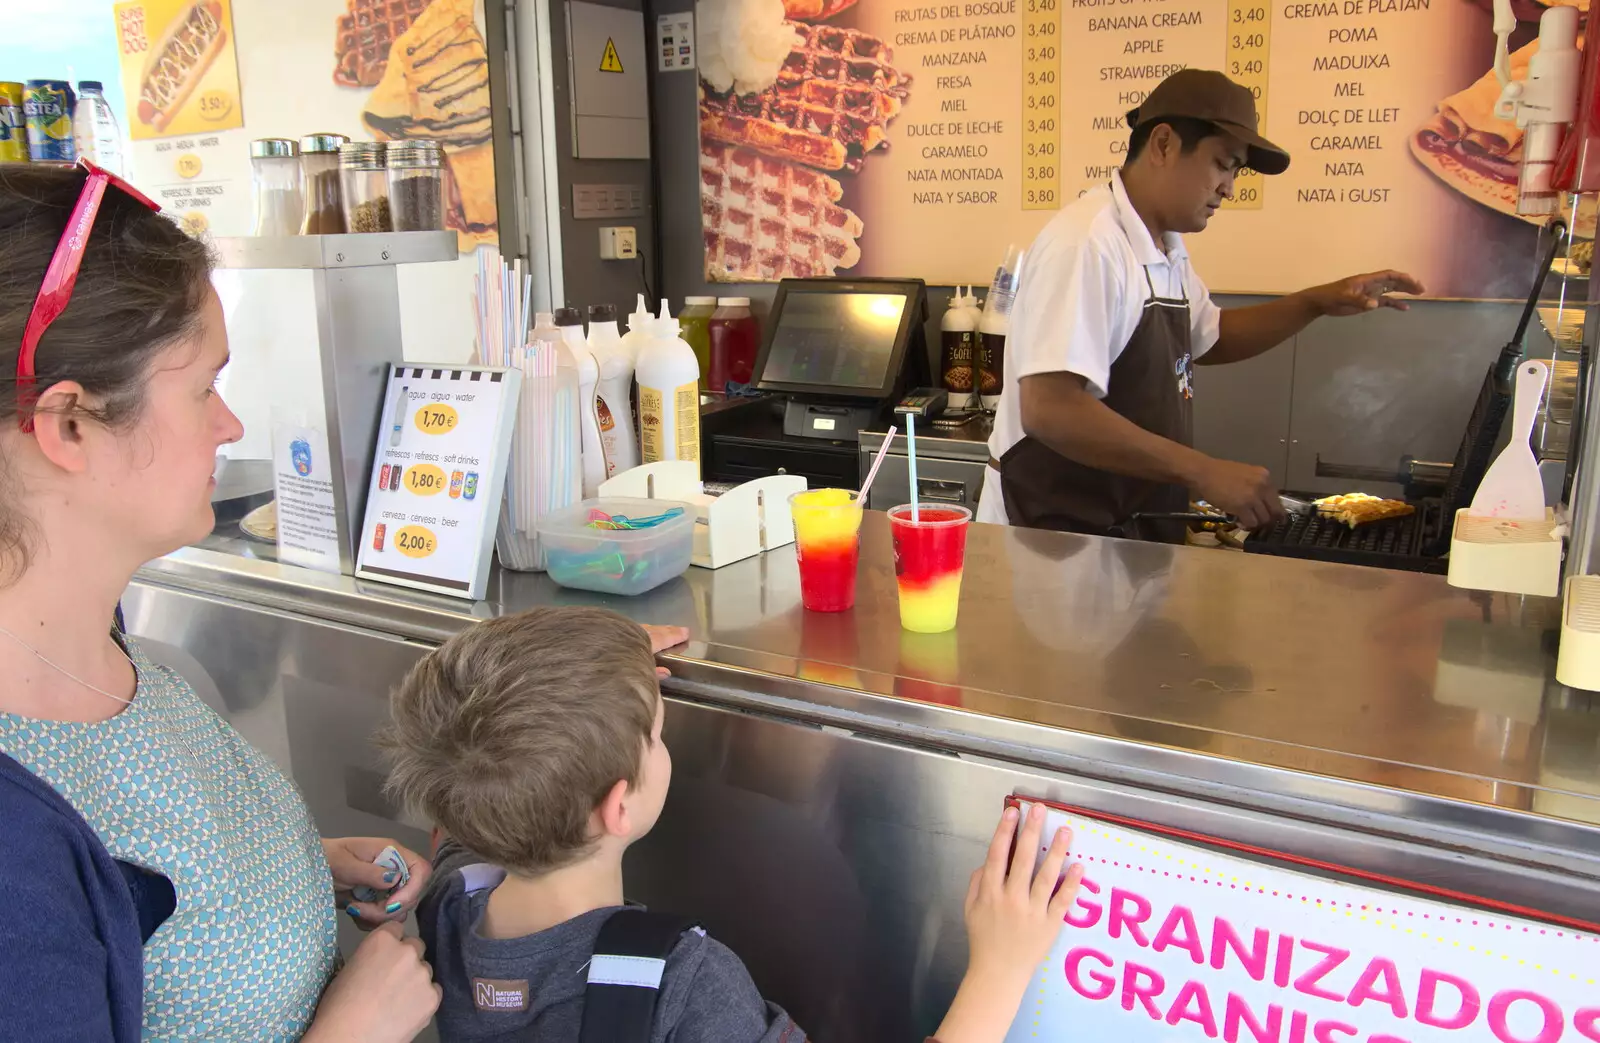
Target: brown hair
141	288
512	732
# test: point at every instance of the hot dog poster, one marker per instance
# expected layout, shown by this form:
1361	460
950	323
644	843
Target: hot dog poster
922	137
179	73
1170	942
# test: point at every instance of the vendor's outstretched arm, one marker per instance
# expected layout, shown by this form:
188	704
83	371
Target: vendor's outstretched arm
1247	332
1059	411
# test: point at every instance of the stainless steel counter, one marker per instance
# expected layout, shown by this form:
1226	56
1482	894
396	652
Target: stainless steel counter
1376	719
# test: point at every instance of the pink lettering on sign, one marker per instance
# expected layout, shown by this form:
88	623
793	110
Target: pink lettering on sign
1104	984
1587	1023
1380	972
1178	931
1310	982
1236	1013
1193	1004
1430	1007
1091	910
1142	984
1500	1017
1326	1029
1121	917
1285	960
1225	938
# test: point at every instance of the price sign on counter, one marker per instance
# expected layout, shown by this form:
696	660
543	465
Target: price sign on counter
433	500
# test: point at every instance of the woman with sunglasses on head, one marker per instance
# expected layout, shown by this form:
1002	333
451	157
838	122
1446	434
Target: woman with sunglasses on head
131	812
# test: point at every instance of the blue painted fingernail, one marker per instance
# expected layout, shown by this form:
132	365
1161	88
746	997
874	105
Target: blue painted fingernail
388	878
392	907
355	914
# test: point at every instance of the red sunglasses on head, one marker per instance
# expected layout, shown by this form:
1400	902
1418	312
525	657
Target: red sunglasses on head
62	275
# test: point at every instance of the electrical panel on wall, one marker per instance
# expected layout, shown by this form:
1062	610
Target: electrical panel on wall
606	67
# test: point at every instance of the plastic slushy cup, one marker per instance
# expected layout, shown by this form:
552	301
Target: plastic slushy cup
827	537
928	557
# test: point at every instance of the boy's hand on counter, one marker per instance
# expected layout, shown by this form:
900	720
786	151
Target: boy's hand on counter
1014	916
351	861
663	638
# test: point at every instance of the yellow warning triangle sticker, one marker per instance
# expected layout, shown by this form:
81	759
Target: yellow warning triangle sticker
609	62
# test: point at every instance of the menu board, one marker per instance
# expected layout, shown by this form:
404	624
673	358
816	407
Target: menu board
987	116
433	499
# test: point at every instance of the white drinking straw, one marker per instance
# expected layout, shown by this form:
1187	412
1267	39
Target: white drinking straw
883	451
911	458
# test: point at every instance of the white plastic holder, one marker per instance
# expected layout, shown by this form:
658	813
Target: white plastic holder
1510	555
1578	662
741	523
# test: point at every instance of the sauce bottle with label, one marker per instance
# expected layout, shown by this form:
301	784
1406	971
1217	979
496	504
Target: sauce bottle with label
613	405
958	344
735	339
592	454
695	322
668	376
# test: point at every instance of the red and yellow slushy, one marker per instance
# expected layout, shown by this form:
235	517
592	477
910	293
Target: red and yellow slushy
928	557
827	537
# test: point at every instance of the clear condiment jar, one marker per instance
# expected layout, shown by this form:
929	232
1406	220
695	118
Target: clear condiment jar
416	187
324	193
366	187
275	175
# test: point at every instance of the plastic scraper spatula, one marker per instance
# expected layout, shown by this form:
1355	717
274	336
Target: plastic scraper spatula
1512	488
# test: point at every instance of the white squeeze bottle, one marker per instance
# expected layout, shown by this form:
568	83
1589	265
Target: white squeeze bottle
668	375
638	329
613	404
592	452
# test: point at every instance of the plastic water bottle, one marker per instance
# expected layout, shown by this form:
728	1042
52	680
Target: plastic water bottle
94	128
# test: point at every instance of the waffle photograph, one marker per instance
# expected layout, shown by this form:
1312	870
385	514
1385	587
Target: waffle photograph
764	219
771	160
364	35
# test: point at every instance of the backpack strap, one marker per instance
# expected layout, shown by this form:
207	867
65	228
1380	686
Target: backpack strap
619	1004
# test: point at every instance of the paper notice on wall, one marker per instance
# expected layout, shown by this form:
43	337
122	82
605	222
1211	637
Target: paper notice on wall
1170	942
675	41
307	523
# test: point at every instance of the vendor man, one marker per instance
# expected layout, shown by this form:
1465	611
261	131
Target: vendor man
1095	422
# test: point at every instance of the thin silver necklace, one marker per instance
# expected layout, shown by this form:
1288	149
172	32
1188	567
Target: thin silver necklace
64	672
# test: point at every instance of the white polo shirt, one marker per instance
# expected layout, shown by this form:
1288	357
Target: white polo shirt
1081	296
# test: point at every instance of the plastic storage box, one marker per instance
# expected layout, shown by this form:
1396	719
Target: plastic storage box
617	561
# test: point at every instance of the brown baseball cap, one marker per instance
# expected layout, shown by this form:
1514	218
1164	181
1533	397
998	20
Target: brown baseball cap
1205	94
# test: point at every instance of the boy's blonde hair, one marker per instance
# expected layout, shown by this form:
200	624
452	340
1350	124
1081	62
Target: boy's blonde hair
512	732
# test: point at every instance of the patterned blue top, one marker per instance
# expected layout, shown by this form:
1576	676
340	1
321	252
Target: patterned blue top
170	786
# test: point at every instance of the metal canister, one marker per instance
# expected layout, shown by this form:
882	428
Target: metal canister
47	108
13	125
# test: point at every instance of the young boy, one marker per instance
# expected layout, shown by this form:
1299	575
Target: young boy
534	742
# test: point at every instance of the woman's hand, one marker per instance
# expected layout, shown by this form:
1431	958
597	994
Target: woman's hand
663	638
350	858
385	994
1013	918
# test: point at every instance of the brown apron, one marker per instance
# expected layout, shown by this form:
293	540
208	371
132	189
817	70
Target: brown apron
1151	384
